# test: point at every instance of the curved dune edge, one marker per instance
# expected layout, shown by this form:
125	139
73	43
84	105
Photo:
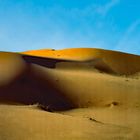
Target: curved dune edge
73	53
11	65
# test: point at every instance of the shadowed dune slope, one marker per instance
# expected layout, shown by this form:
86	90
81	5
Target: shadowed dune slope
20	84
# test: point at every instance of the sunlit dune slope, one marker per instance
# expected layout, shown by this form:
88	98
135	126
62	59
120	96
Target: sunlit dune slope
118	62
91	88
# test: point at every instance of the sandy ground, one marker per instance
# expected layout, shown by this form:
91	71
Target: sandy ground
72	94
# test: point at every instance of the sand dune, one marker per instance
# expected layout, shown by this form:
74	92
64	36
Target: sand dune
92	94
120	63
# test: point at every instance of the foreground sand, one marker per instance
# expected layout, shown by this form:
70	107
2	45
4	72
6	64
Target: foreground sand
76	94
30	123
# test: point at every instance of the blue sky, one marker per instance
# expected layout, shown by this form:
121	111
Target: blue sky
58	24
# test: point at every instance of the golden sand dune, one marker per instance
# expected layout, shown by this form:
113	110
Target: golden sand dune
11	65
120	63
92	94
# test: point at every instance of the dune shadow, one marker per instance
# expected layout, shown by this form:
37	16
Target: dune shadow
42	61
95	63
30	88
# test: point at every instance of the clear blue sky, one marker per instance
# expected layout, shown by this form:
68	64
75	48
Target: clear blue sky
58	24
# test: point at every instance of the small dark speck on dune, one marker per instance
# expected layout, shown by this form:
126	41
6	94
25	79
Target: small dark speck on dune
45	108
115	103
92	119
